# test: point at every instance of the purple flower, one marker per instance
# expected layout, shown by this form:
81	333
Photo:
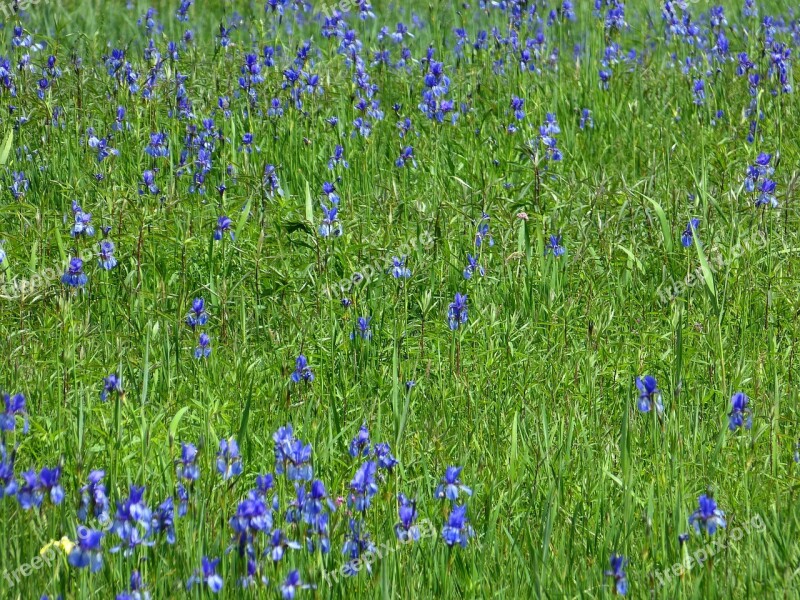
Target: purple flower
457	530
223	224
649	394
617	571
406	529
360	445
111	384
473	267
457	311
229	462
399	269
106	256
740	414
383	454
688	235
14	406
707	517
554	246
451	485
302	371
207	576
203	349
74	275
292	584
87	552
363	487
94	500
197	315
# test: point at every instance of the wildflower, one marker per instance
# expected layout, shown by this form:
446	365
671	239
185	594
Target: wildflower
337	158
183	499
29	494
164	520
483	232
137	589
223	224
363	486
2	254
406	529
383	455
554	246
87	552
315	514
207	576
183	16
740	414
158	145
19	185
330	222
94	500
586	119
457	311
83	222
111	384
229	462
74	275
688	235
399	269
49	484
203	349
264	483
252	517
8	481
187	463
103	147
683	538
106	257
457	530
292	584
649	394
279	543
451	486
473	267
766	193
707	517
14	406
410	384
517	105
699	90
360	445
197	315
617	571
271	182
302	370
406	156
290	450
132	522
362	329
148	183
330	192
357	544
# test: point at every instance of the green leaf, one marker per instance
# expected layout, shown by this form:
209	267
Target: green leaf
665	228
242	220
632	257
6	149
173	424
309	205
708	274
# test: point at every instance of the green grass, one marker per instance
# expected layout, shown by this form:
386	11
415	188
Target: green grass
535	396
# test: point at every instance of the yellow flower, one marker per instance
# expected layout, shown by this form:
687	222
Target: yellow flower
65	544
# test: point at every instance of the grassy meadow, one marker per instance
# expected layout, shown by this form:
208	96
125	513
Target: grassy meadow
285	266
